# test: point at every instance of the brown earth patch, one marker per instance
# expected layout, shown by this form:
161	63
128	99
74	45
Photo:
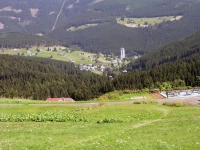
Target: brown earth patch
157	95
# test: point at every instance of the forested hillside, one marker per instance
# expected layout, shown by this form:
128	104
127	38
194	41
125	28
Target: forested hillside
183	49
54	18
108	37
173	74
22	40
39	78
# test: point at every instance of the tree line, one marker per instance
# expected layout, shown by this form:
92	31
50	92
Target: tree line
186	71
39	78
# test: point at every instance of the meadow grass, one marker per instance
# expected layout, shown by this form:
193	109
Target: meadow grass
27	101
81	27
125	96
146	127
141	21
78	59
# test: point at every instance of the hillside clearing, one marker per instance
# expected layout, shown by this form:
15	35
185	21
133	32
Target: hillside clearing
145	22
34	12
81	27
1	25
11	9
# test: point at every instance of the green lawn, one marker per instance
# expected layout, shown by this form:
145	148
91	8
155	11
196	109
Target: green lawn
144	126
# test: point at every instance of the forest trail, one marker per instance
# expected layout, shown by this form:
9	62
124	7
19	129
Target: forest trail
58	15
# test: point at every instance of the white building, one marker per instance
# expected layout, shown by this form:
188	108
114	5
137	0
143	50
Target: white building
122	53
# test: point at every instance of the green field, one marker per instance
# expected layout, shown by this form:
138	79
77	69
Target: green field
133	22
74	55
81	27
128	126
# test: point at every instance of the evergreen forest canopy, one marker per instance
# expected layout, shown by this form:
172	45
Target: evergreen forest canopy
181	50
107	37
39	78
171	75
22	40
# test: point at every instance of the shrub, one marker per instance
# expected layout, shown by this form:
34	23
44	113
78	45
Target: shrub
144	102
102	104
177	104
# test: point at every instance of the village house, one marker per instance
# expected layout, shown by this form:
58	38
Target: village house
15	49
71	60
63	48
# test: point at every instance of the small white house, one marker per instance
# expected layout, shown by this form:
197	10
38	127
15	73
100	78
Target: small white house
15	49
63	48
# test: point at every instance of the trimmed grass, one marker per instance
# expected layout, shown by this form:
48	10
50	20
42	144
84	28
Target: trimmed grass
164	128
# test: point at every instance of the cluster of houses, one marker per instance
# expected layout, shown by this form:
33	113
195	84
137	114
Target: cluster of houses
29	53
91	67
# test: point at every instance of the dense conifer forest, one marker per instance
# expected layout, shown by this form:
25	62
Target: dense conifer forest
39	78
183	49
22	40
185	71
107	37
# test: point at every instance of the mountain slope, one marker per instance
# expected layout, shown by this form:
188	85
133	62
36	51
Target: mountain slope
108	37
54	18
183	49
21	40
39	78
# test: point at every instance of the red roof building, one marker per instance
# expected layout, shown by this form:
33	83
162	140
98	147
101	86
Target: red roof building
63	99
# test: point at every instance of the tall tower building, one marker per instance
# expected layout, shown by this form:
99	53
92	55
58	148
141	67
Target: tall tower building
122	53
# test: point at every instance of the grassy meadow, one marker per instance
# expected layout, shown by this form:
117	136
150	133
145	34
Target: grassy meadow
58	55
104	126
81	27
150	21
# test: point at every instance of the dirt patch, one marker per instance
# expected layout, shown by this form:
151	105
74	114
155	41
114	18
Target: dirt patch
10	9
136	26
39	34
177	18
157	95
95	2
190	101
52	12
70	6
132	25
1	25
34	12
